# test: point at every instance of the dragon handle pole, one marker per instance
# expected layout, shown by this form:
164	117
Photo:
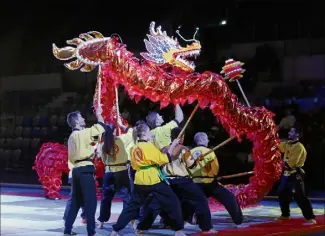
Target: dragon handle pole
118	117
236	175
243	93
216	147
188	121
99	91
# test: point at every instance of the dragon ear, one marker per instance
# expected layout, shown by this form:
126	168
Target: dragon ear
153	58
150	48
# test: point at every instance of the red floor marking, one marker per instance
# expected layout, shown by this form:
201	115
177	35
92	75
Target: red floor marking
276	228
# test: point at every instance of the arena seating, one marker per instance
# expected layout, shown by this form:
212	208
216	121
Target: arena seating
22	135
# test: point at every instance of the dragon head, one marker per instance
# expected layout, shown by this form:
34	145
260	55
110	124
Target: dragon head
162	49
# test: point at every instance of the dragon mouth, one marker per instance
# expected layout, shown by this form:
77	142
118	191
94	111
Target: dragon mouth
184	57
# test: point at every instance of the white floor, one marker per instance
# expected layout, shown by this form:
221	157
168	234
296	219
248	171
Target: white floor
34	216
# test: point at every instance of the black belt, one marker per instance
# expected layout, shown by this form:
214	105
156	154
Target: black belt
176	176
204	177
88	159
121	164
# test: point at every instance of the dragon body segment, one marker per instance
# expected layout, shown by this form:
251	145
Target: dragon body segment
167	75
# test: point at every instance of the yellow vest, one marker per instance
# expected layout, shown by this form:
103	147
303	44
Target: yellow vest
208	167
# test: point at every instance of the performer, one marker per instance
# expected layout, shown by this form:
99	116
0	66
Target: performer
68	205
162	133
204	174
146	159
161	137
83	181
292	181
184	187
115	155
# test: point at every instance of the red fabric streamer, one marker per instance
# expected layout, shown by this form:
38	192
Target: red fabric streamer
210	90
49	164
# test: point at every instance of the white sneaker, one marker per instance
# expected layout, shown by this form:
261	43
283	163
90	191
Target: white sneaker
310	222
134	224
211	231
194	220
179	233
114	233
241	226
100	225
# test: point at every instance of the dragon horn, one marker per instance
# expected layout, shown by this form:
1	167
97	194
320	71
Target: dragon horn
65	53
75	41
74	65
87	68
96	34
152	28
86	36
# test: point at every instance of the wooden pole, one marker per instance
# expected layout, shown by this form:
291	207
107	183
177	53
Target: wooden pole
215	148
235	175
99	93
118	117
188	121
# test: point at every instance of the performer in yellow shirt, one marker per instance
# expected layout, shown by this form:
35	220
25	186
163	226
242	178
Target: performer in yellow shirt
146	160
204	175
292	181
115	155
184	187
161	136
161	132
80	151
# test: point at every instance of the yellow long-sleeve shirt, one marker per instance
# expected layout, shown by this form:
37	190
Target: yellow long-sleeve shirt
80	145
122	146
146	160
294	153
178	167
208	167
162	134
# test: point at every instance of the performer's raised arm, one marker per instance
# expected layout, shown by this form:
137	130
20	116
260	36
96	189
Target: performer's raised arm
161	132
179	115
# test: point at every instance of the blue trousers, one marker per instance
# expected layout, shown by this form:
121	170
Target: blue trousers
114	182
131	178
83	194
226	198
293	186
166	198
187	192
68	205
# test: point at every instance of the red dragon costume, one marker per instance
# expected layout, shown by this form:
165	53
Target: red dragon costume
167	75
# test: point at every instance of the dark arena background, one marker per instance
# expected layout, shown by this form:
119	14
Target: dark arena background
282	46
